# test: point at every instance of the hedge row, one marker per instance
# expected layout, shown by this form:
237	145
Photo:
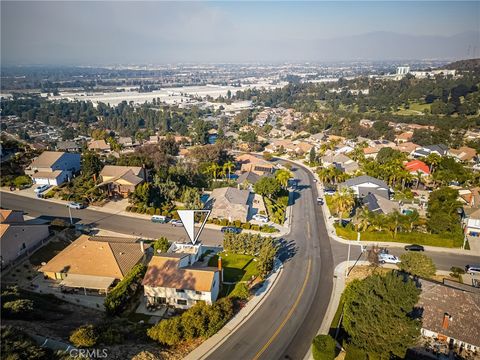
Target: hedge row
245	226
117	298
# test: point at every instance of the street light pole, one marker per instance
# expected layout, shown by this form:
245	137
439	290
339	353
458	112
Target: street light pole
70	214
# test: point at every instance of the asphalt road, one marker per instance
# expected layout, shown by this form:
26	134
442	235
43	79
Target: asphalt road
113	222
288	319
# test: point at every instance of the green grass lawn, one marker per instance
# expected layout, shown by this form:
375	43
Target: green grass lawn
408	238
276	208
414	109
236	267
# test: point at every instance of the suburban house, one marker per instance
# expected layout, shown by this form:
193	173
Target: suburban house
439	149
379	204
407	147
463	154
417	166
53	167
172	279
364	185
100	146
230	203
94	263
341	161
18	237
251	163
472	223
450	315
246	180
121	180
404	137
68	145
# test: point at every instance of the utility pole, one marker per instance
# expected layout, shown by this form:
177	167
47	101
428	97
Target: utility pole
70	214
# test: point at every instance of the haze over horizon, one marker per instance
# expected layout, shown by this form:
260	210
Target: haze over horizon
101	33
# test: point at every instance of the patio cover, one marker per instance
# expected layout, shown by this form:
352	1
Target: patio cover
87	281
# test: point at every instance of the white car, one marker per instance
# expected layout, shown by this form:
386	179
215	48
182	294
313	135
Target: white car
388	259
176	223
76	205
261	218
41	189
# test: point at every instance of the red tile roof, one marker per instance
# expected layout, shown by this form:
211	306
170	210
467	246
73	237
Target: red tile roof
417	165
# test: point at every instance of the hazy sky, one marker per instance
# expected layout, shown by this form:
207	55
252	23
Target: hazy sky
158	32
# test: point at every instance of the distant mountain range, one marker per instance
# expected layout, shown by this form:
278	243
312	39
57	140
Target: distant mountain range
462	65
394	46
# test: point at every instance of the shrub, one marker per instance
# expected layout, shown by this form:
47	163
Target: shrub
59	223
240	291
151	211
117	298
18	308
456	272
18	345
133	209
246	226
323	347
84	336
224	222
157	211
168	332
161	244
237	223
255	227
128	208
139	210
354	353
110	335
22	181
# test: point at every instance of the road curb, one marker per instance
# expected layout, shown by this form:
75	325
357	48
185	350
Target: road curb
212	343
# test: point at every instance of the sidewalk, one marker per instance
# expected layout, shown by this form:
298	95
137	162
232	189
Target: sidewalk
212	343
474	250
118	208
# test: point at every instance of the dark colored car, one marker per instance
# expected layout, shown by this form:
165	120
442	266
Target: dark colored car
231	229
414	247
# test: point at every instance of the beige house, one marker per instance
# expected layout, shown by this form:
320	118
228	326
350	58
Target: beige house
99	146
94	262
230	203
18	237
121	180
171	280
251	163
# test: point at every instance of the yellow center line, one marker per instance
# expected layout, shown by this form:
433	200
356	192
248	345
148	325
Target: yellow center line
289	315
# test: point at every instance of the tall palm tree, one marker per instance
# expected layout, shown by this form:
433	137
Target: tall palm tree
228	167
282	176
362	219
213	170
433	160
343	201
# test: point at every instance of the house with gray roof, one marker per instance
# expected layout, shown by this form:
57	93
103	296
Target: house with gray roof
380	205
364	185
230	203
439	149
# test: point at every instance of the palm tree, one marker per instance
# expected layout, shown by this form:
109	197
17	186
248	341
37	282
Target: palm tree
343	202
282	176
213	170
433	160
228	167
418	177
362	219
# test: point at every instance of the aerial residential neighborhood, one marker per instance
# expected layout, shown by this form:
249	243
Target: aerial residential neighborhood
240	180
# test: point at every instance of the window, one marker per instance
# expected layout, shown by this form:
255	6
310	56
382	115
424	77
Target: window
198	293
181	302
179	290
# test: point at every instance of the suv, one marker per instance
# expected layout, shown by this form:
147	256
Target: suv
159	219
41	189
473	269
388	259
231	229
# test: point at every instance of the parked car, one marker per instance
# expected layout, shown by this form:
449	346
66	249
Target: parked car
414	247
319	201
159	219
388	259
76	205
231	229
473	269
176	223
260	217
41	189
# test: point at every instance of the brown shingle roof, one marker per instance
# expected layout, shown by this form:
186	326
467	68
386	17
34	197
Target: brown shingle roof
164	272
46	159
87	256
464	307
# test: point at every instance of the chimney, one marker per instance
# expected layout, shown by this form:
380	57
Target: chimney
446	320
141	247
220	269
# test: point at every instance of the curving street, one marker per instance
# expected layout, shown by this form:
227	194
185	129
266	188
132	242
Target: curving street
283	325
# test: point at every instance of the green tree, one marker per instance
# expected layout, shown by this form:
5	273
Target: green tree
282	176
377	314
85	336
266	257
91	164
228	167
22	181
417	264
240	291
17	345
343	202
442	211
161	245
323	347
191	199
267	186
168	331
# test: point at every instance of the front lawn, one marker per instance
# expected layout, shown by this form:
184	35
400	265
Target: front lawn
276	208
407	238
236	267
